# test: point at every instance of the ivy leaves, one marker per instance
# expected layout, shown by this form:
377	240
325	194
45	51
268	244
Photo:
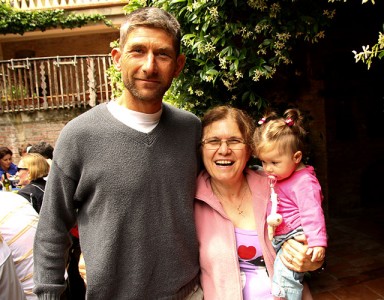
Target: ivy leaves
14	21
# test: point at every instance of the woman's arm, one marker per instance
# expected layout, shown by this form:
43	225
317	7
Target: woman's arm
295	258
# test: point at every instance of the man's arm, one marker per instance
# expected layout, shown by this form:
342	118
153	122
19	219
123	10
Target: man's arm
52	240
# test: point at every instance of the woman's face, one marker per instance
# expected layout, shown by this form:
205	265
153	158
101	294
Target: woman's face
6	162
225	164
22	174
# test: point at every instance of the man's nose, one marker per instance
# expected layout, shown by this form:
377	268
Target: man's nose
149	65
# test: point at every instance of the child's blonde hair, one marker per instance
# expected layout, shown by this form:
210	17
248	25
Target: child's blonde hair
287	132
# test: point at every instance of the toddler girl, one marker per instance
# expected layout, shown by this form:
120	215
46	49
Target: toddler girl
279	145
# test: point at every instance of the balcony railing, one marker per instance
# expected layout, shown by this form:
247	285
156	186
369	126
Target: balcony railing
32	84
58	4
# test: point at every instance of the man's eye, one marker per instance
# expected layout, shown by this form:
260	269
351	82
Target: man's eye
137	50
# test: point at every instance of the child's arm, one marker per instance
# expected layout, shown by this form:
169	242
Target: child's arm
318	253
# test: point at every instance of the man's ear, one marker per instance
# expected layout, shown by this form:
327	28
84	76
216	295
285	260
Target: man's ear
297	157
180	62
116	55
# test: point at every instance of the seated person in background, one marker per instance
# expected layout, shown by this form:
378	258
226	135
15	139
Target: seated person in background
9	282
23	149
32	169
22	175
43	148
6	164
18	222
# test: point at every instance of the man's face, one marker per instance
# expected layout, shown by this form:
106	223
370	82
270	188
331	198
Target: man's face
148	63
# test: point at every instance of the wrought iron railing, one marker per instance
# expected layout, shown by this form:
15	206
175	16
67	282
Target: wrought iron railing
54	82
60	4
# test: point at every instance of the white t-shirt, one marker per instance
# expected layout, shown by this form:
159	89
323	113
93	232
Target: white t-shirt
139	121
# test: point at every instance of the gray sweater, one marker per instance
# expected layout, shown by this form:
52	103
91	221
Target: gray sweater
134	193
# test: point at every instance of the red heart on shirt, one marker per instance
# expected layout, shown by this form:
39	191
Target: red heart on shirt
245	252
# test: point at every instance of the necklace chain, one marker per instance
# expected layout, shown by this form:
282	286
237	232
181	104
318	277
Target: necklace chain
238	207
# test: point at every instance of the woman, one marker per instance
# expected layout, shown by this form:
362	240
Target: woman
6	164
236	257
32	169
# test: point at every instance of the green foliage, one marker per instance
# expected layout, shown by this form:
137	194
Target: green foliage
116	82
18	21
14	93
233	46
377	50
367	55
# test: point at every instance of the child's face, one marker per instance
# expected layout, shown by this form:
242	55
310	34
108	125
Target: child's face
280	165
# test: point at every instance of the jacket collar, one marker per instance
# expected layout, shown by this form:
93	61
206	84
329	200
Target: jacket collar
257	182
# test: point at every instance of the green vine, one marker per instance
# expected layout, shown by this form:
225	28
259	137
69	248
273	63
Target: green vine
15	21
233	46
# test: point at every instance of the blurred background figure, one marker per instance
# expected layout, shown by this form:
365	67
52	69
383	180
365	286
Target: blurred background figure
23	149
32	170
18	222
10	287
43	148
6	165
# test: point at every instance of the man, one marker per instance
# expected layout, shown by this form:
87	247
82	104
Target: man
125	172
43	148
18	223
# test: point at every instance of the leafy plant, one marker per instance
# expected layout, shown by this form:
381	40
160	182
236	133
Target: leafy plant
17	21
233	46
14	93
369	53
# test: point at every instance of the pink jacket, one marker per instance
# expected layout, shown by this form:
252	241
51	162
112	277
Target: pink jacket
220	272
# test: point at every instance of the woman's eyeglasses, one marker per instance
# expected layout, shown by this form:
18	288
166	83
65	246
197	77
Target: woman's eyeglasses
19	169
232	143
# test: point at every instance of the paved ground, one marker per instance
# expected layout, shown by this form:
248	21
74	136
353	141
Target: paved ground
355	259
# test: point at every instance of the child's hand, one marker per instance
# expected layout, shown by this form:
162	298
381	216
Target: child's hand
271	232
273	221
318	253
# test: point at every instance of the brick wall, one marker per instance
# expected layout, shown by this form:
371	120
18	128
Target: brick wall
17	129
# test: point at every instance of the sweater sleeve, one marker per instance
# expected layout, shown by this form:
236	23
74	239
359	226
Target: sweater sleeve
52	239
308	197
